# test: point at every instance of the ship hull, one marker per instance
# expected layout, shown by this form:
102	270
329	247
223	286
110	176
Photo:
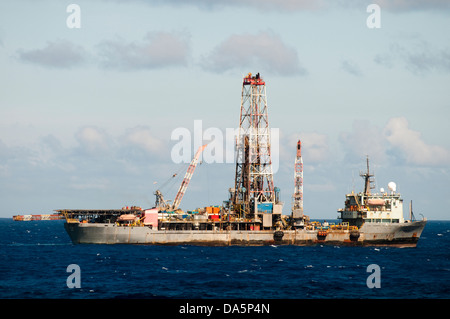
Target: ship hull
370	234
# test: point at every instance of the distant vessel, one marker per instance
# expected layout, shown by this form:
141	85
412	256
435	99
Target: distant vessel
253	213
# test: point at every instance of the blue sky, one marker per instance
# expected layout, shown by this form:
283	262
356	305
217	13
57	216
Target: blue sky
86	115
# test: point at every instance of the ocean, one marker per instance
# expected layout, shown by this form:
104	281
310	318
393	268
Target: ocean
35	255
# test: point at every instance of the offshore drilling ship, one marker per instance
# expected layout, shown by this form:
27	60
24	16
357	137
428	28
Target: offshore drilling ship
252	215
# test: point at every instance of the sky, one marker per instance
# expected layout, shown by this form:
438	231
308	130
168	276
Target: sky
90	112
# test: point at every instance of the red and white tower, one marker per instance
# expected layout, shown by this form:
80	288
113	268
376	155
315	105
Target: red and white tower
297	197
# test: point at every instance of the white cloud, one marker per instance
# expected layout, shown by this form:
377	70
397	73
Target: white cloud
412	147
315	147
282	5
263	5
407	5
364	139
390	5
307	5
57	54
93	140
395	142
51	172
142	137
264	51
156	50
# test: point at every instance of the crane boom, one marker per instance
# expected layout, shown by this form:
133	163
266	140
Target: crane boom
297	204
187	177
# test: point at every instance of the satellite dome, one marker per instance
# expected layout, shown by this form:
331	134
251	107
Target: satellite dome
392	186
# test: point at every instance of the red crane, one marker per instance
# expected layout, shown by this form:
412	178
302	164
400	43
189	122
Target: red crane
187	178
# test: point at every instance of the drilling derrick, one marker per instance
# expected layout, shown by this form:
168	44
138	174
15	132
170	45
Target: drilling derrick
297	197
254	193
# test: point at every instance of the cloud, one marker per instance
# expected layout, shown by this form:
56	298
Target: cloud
99	150
89	183
409	144
51	143
351	68
364	139
59	54
281	5
93	141
156	50
425	61
306	5
51	173
409	5
395	142
142	138
264	51
421	58
315	147
396	6
262	5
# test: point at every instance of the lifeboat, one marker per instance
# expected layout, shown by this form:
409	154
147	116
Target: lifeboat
376	202
126	217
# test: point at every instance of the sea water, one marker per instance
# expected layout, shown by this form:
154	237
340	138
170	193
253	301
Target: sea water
35	255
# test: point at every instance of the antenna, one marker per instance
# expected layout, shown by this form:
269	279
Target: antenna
353	181
368	180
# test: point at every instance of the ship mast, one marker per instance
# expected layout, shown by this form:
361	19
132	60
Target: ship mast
368	180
